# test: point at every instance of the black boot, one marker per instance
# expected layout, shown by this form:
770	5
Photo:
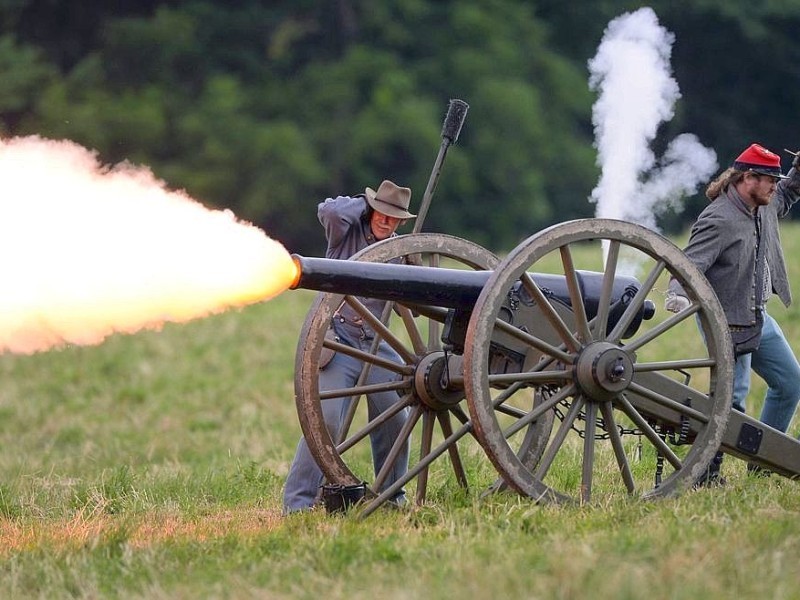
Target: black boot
711	476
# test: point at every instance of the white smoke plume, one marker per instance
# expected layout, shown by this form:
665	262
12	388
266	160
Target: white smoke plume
636	94
90	250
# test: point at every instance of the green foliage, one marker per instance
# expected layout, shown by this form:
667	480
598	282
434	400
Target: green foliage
24	73
268	108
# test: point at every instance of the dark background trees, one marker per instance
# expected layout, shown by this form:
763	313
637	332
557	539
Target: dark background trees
266	107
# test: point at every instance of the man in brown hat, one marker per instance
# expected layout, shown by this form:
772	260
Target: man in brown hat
736	243
352	223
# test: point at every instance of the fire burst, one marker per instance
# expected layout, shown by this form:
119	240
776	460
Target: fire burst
90	250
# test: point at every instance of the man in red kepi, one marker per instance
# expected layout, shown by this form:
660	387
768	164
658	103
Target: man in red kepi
736	243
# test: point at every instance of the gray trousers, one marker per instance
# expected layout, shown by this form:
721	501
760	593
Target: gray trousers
305	477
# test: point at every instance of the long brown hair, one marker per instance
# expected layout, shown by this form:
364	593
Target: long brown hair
729	176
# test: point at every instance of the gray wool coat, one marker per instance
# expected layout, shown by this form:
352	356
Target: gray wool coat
348	231
722	244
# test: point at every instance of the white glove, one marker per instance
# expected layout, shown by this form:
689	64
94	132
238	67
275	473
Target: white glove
676	303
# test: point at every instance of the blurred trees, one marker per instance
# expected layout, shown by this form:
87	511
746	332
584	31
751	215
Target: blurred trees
267	107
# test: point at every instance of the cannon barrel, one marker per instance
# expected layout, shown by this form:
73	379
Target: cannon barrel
448	288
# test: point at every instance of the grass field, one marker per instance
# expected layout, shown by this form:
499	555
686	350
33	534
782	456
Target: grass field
152	466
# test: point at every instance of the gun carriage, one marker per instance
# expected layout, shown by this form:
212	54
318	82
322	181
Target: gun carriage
548	372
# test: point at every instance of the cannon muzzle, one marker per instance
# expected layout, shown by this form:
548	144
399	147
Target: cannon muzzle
451	288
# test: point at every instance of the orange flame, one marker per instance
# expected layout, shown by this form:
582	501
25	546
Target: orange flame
90	250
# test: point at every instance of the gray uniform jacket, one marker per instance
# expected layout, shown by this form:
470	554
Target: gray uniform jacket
347	232
722	244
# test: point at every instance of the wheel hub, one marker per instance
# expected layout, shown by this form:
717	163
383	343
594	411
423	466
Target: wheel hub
603	370
432	382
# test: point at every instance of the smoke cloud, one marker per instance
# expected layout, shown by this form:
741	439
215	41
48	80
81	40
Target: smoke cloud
89	250
636	94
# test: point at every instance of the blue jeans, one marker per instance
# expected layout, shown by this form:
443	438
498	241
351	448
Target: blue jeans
305	477
776	364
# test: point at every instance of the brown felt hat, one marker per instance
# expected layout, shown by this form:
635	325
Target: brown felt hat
391	200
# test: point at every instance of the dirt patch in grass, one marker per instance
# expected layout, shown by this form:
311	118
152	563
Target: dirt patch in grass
138	532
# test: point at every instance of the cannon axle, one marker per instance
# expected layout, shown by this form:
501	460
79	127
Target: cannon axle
603	370
433	382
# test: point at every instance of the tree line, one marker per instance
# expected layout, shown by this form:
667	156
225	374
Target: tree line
267	107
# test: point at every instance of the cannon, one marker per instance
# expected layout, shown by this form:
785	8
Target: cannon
548	372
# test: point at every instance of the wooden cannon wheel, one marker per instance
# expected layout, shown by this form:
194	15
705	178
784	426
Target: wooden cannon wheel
438	425
668	386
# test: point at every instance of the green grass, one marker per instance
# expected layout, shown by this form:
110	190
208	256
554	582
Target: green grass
152	466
